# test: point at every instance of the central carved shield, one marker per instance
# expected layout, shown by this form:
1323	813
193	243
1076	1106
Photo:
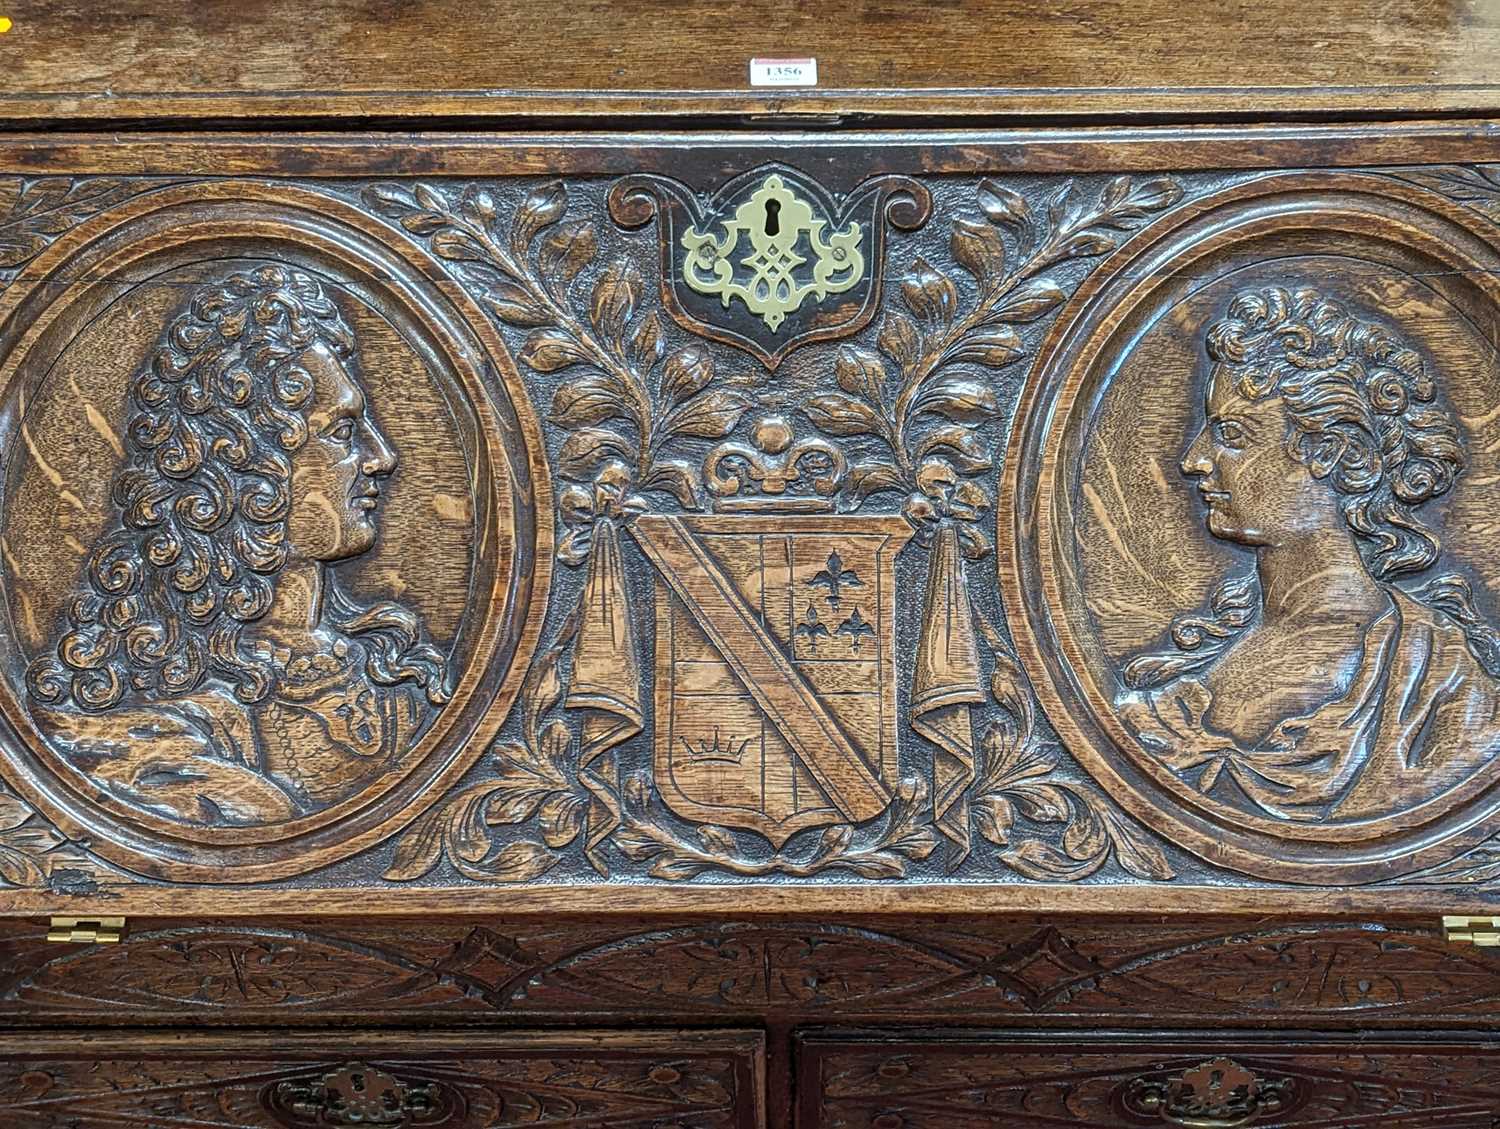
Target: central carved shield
775	679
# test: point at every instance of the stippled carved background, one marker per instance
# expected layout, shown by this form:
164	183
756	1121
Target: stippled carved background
402	532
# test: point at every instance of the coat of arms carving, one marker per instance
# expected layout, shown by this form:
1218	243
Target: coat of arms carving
648	528
781	657
775	667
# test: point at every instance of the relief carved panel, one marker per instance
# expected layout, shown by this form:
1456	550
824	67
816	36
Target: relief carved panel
960	527
1261	496
239	641
1211	1084
1293	974
582	1080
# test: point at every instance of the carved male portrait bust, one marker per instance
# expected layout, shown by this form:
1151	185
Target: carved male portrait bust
210	667
1346	676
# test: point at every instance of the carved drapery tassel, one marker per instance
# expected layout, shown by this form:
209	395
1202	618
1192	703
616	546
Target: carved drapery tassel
945	683
606	683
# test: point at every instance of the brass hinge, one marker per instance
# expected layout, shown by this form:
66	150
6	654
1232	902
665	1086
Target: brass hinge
86	930
1481	931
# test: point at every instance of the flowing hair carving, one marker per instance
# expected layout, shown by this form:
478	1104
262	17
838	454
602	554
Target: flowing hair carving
204	497
1366	418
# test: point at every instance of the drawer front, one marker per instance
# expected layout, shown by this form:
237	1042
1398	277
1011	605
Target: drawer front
1121	1083
578	1079
891	520
1056	971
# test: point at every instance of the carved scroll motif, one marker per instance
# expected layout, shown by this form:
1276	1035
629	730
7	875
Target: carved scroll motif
755	264
774	221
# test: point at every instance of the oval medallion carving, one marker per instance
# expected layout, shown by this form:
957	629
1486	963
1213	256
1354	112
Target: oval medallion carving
1253	530
277	532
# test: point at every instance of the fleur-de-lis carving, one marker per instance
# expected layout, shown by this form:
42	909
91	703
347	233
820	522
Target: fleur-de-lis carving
812	628
835	578
856	627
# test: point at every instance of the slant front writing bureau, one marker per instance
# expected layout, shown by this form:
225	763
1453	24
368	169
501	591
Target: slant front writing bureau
546	583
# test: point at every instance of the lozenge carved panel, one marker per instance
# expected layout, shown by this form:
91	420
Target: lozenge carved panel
1205	1083
807	516
587	1080
1043	971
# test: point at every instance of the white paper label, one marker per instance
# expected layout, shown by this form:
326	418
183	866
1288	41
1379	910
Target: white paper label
783	72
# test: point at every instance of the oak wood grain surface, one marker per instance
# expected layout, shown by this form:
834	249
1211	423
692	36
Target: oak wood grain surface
1041	971
881	58
850	154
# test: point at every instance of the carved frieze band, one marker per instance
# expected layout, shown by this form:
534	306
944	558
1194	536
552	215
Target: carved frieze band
1318	973
1094	528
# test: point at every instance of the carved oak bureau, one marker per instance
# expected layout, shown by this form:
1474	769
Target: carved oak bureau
544	584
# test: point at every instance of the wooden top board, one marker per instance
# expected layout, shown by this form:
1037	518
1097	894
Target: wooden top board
991	59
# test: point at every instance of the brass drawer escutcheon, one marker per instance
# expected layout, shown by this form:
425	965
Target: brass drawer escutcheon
1220	1094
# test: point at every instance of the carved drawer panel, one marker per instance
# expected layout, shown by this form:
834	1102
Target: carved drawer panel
1003	1082
477	522
1056	971
580	1080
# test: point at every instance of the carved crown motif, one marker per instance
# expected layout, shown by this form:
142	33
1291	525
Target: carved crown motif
775	471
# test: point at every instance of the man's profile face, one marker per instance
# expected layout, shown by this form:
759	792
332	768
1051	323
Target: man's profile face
336	473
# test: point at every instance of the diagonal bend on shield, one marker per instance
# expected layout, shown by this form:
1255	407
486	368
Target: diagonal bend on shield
757	660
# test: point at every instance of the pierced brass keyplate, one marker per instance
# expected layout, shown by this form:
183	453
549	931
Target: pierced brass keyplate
784	236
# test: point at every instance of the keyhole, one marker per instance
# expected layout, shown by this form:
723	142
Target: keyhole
358	1081
773	224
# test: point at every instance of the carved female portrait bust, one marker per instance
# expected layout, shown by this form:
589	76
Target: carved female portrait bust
1345	676
210	667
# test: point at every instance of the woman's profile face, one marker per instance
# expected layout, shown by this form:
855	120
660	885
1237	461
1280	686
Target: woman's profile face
335	486
1256	491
